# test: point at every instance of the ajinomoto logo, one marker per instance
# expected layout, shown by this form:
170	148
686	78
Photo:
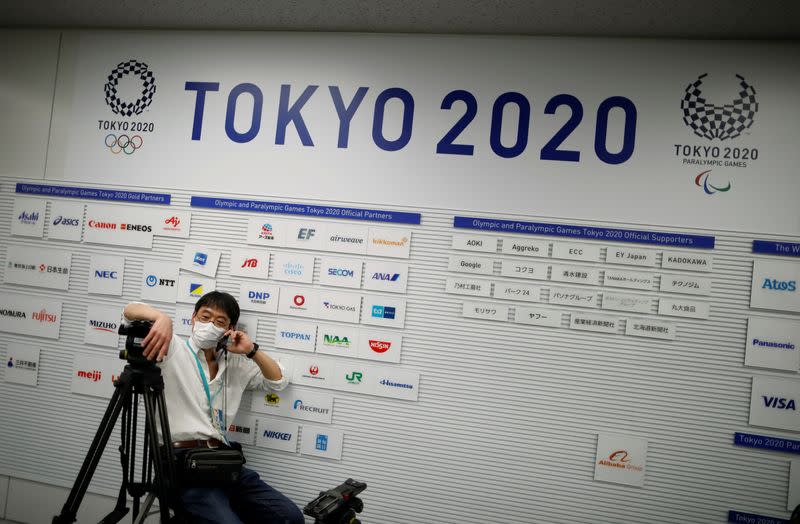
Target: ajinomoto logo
129	91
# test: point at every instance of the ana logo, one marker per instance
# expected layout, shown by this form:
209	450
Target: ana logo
151	280
334	340
379	346
140	70
105	274
386	276
387	312
719	121
172	222
321	442
299	300
701	180
200	258
779	285
271	399
779	403
99	325
250	262
336	272
64	221
94	375
196	290
266	232
305	234
314	370
28	218
354	377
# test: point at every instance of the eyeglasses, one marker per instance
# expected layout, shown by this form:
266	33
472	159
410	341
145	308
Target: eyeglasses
219	320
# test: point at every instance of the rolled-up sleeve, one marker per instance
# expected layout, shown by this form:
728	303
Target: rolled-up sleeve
258	381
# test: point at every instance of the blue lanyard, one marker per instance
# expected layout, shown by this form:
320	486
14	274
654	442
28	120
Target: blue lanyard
210	399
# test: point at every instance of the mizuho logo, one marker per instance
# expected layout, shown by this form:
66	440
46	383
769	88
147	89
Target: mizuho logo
712	121
125	108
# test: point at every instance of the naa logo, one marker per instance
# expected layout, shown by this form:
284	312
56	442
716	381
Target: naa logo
787	404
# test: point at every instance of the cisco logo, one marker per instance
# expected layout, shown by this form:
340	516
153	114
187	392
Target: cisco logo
779	285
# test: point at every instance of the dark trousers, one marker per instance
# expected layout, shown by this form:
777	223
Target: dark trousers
251	500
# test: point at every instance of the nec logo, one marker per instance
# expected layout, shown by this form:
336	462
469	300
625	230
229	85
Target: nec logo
105	274
389	277
779	285
779	403
305	234
387	312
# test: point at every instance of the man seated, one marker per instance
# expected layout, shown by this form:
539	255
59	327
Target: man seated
203	392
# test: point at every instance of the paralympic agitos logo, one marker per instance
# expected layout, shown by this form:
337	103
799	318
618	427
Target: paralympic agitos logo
129	91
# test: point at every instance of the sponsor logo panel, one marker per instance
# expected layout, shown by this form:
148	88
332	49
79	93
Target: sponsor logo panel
386	276
277	434
106	275
468	286
27	217
299	302
521	292
677	307
384	311
395	243
119	225
774	403
102	323
685	284
518	268
341	272
526	247
192	287
252	263
322	442
337	340
22	364
485	311
313	371
687	261
621	459
182	323
630	257
299	336
310	405
27	315
775	285
37	267
266	231
626	302
293	267
569	251
160	281
773	343
650	328
384	346
474	243
340	307
575	274
200	259
468	264
396	383
628	279
597	323
259	297
95	375
537	316
66	221
569	296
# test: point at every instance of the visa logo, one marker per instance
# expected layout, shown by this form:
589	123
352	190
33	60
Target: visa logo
386	276
779	285
778	402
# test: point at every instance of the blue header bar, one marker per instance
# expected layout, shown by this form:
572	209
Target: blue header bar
91	193
750	440
752	518
293	208
586	232
786	249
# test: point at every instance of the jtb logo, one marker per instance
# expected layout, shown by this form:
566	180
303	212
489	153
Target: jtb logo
779	285
250	262
779	402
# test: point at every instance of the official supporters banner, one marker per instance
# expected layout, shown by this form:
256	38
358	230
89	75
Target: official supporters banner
689	134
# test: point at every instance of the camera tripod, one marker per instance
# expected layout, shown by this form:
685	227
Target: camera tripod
140	378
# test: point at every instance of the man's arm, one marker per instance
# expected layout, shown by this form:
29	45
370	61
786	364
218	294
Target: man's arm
243	344
156	343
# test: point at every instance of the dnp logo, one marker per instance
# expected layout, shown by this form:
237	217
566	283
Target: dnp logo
129	90
387	312
779	285
787	404
258	297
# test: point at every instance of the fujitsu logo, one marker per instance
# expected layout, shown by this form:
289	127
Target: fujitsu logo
44	316
94	375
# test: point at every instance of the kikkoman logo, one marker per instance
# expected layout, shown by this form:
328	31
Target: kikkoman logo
722	122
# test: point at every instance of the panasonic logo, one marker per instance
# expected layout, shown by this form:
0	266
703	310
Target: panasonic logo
770	344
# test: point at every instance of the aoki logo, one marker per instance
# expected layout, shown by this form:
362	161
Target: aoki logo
779	403
701	180
779	285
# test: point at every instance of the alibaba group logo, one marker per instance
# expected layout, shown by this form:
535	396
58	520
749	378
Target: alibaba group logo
619	456
701	180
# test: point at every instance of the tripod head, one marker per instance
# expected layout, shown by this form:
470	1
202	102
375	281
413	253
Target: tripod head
338	505
135	332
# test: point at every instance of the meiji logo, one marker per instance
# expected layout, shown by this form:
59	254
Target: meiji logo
379	346
386	276
337	272
250	262
239	429
277	435
293	269
393	384
779	403
354	377
99	325
388	242
196	290
28	218
258	297
44	316
142	228
334	340
105	274
200	258
779	285
299	406
305	234
102	225
294	335
173	223
64	221
387	312
94	375
266	232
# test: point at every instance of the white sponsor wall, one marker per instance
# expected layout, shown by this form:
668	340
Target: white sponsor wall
554	303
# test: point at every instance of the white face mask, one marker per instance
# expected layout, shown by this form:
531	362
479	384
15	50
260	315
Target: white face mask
206	335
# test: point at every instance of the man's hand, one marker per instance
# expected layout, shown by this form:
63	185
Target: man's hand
240	343
156	343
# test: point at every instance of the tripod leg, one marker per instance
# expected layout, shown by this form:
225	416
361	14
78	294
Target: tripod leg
152	401
122	395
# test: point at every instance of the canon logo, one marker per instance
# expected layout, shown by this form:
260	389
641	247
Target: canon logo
102	225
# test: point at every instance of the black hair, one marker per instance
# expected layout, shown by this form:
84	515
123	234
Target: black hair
220	300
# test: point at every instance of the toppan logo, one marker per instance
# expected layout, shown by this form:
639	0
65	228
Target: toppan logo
94	375
299	406
28	218
99	325
294	335
44	316
66	221
620	459
379	346
779	403
779	285
266	232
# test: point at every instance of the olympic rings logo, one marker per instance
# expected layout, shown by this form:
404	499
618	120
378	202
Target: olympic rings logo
123	143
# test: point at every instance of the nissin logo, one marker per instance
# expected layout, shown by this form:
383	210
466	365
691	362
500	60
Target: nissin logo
389	277
779	403
779	285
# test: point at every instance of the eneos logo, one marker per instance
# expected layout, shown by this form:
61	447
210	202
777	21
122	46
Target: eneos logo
701	180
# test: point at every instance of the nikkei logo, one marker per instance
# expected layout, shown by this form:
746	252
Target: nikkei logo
250	262
701	180
142	71
719	121
200	258
305	234
779	403
779	285
387	312
28	218
266	232
379	346
278	435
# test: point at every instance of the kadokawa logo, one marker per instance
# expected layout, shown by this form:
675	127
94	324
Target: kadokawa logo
125	136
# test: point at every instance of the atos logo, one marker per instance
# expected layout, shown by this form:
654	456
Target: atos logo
28	218
250	262
200	259
337	272
105	274
779	285
305	234
387	312
386	276
64	221
779	403
151	281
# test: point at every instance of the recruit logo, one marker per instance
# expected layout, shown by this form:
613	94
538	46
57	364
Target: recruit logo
129	91
300	406
702	182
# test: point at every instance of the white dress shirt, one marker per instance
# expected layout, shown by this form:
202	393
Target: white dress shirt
185	396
